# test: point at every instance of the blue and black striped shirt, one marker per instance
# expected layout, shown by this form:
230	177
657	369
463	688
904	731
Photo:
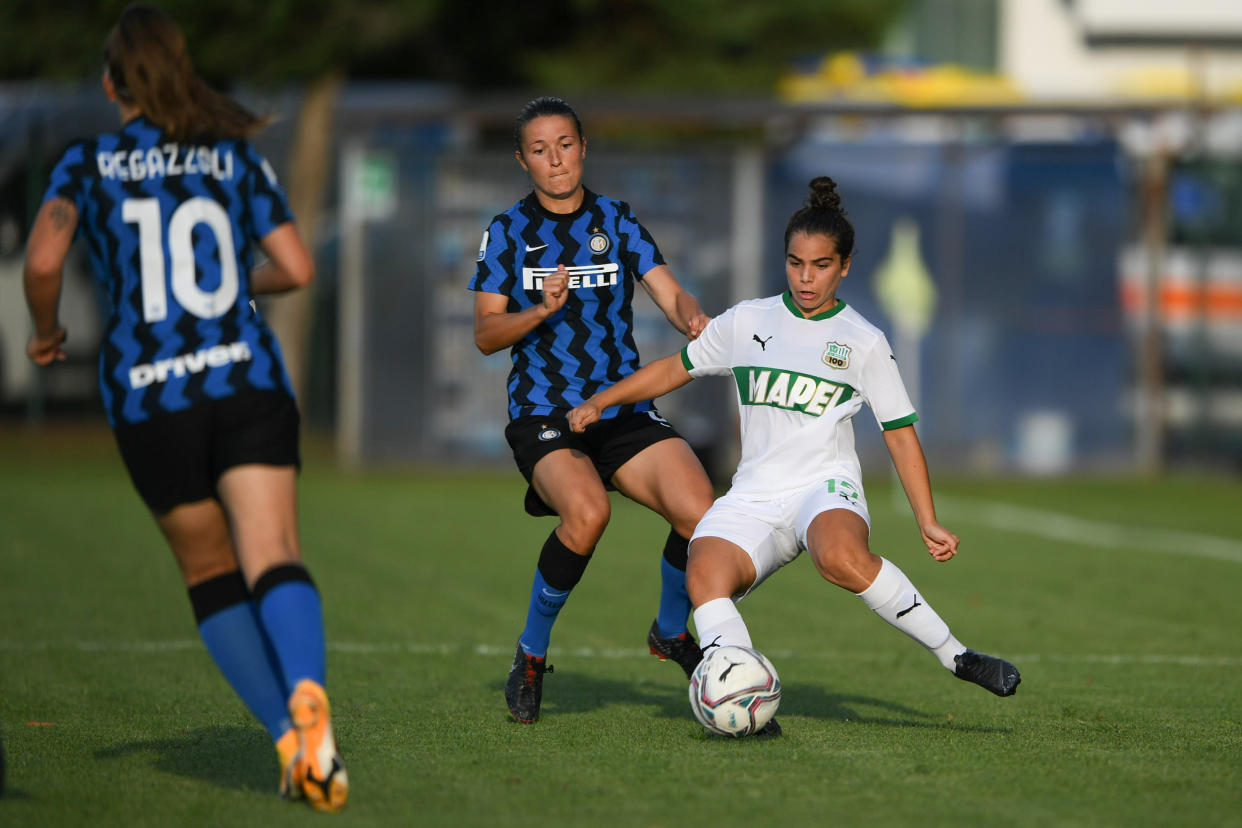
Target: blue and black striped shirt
589	343
172	229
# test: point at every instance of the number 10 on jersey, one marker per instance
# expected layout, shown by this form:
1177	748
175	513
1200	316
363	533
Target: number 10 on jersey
145	212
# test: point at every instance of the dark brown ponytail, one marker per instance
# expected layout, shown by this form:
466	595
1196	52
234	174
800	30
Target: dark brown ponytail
149	64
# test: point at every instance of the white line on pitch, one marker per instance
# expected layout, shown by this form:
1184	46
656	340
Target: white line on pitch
1058	526
588	653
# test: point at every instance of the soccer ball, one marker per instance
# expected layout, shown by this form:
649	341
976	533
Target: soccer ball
734	691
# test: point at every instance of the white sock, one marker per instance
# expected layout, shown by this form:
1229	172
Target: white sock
718	622
894	598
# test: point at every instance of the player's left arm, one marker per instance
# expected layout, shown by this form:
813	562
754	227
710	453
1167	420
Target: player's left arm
647	383
289	265
907	453
42	277
681	308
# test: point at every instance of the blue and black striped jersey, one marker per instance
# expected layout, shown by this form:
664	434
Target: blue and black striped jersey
171	230
589	343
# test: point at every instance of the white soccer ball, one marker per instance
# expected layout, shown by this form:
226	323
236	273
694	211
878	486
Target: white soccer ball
734	691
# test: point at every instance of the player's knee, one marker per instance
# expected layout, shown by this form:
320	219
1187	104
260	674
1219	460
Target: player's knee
694	504
585	522
201	562
846	564
711	576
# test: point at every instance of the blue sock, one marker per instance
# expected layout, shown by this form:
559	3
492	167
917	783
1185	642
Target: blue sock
292	616
674	600
545	605
559	570
230	629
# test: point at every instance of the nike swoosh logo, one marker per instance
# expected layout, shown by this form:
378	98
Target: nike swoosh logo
530	249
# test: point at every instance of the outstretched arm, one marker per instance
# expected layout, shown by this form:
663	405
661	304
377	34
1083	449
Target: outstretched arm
903	445
646	383
679	306
42	276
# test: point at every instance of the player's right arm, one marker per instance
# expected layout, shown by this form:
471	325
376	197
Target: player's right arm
289	265
647	383
496	328
46	250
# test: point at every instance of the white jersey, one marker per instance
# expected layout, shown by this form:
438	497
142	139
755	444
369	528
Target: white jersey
799	381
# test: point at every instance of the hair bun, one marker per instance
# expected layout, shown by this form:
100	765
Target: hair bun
824	195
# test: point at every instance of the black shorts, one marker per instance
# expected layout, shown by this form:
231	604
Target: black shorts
609	443
177	458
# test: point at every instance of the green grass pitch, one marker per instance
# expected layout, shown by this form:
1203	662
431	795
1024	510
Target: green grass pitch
1119	599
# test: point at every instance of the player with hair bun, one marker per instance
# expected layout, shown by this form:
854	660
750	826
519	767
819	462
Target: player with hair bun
554	283
173	206
804	363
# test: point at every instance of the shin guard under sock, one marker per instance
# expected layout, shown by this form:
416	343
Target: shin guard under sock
230	629
558	572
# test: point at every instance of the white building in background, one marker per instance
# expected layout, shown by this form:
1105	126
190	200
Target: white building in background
1111	51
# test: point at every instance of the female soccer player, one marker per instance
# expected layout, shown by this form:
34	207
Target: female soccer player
554	283
804	363
172	206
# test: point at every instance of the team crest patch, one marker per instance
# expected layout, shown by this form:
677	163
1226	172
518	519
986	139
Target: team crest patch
549	434
599	243
837	355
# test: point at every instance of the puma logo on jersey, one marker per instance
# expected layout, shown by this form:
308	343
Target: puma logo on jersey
763	343
580	276
789	390
141	376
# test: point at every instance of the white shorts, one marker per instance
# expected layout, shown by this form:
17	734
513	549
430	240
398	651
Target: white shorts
772	531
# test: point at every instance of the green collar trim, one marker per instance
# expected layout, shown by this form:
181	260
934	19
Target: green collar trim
787	297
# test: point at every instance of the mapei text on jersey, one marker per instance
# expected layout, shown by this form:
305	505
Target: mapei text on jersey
169	160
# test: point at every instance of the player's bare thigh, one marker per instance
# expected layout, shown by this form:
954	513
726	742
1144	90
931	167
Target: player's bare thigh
262	506
667	478
198	534
567	481
837	542
717	569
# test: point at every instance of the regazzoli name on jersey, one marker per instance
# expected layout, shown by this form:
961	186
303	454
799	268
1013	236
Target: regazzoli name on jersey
169	160
580	276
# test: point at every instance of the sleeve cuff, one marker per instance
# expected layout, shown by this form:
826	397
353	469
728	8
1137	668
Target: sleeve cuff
909	419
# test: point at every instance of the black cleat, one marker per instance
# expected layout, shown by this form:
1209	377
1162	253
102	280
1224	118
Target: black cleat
524	687
682	648
989	672
769	731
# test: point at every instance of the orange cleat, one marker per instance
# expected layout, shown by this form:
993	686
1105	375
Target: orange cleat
287	752
318	766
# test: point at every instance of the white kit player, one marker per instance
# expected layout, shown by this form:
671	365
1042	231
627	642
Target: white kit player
804	363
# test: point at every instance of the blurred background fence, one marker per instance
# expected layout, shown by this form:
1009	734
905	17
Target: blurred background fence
1061	279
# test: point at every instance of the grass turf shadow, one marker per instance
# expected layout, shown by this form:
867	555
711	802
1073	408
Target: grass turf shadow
234	757
568	692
